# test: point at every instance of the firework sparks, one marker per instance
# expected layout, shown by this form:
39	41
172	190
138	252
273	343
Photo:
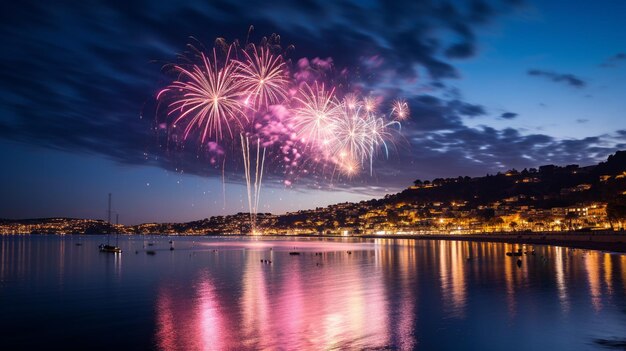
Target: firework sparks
400	110
207	98
349	167
352	134
314	120
351	101
263	76
370	104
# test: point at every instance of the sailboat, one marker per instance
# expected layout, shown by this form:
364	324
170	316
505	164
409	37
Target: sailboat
108	247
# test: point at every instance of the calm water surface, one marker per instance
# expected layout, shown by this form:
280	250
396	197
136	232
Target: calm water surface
215	293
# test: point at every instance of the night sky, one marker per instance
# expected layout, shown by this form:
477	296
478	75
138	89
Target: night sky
492	85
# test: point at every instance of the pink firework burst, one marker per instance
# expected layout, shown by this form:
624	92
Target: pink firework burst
400	110
207	98
351	134
263	77
315	118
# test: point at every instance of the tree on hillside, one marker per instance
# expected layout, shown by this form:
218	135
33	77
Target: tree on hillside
570	216
616	213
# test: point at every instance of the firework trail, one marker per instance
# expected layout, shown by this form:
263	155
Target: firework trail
253	187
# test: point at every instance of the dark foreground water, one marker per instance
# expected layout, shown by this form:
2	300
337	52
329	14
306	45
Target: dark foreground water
215	293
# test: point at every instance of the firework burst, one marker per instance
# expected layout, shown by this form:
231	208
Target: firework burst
352	134
370	104
400	110
315	119
263	76
348	167
207	98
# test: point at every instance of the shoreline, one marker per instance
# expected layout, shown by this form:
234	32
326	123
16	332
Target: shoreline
599	241
608	243
579	240
604	241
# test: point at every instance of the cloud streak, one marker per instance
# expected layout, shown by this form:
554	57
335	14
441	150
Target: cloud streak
565	78
509	115
614	60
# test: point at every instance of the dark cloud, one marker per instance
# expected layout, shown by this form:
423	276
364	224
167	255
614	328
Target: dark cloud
461	50
566	78
478	151
435	113
614	60
467	109
508	115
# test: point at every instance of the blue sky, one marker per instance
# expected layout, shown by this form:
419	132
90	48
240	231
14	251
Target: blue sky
78	82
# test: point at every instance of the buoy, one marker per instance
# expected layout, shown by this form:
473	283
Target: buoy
519	263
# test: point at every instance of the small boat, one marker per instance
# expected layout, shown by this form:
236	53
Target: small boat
151	252
294	253
109	248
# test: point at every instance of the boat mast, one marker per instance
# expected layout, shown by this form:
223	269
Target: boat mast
109	220
117	233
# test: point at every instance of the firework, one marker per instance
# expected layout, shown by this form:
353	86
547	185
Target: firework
253	175
400	110
348	166
351	134
207	98
314	120
370	104
263	77
351	101
382	133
